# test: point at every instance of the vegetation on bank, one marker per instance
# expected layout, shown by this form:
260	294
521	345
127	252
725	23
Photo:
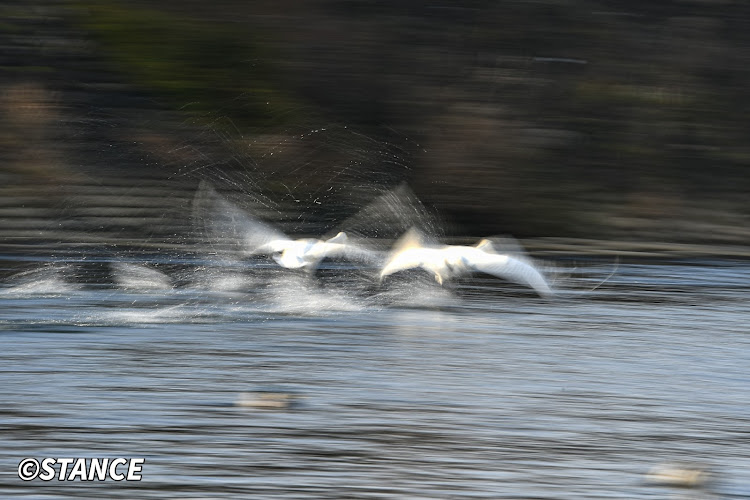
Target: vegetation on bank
203	68
594	118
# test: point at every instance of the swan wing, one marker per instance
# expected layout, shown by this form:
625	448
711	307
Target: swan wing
391	214
272	246
257	237
485	246
231	227
348	251
339	238
411	252
411	258
411	239
506	245
510	268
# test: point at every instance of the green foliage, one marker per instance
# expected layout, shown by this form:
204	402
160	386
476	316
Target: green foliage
203	67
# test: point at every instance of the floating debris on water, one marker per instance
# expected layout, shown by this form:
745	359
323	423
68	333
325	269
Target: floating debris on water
267	400
680	475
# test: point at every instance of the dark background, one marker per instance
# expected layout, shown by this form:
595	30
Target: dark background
609	120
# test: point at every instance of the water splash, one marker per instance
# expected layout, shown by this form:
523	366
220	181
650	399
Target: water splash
54	279
417	290
139	277
390	215
218	279
301	295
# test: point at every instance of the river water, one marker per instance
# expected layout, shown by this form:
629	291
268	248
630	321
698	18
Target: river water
483	390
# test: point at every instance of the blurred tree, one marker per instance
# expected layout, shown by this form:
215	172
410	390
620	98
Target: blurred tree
553	117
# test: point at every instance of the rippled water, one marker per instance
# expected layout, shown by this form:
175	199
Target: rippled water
409	391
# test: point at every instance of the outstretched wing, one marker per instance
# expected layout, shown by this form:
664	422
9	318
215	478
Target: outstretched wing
339	238
505	245
407	259
390	215
413	238
407	253
340	247
351	252
232	229
517	270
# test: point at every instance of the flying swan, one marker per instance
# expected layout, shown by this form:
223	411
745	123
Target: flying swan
306	253
449	261
246	236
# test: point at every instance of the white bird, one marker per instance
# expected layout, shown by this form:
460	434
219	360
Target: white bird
448	261
306	253
247	236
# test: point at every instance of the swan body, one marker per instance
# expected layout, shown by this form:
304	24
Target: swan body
306	253
244	235
449	261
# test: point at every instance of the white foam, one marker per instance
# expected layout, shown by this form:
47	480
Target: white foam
51	280
295	294
139	277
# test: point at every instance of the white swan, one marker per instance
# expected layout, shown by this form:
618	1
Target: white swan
246	236
448	261
306	253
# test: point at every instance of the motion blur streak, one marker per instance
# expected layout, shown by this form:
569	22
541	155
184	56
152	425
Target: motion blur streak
594	131
493	395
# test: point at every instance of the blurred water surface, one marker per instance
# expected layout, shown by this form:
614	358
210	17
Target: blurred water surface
483	391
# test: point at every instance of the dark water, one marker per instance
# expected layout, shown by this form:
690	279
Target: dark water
412	391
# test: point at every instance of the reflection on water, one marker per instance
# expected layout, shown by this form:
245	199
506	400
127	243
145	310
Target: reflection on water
410	391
